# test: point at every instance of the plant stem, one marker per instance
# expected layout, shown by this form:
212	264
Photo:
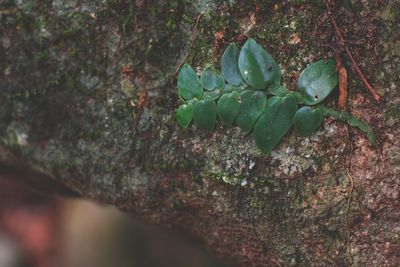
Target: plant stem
196	26
343	44
351	120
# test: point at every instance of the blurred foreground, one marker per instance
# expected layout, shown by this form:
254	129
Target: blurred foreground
37	230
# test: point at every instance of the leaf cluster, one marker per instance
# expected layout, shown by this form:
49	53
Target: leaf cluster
248	94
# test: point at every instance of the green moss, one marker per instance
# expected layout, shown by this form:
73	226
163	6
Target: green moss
390	12
392	116
10	141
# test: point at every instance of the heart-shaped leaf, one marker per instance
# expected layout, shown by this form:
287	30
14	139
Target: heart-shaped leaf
273	101
205	114
257	66
274	122
228	88
228	107
189	85
253	104
307	120
317	81
211	81
229	65
214	94
279	91
298	96
184	113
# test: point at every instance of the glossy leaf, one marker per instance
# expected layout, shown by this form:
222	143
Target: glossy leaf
257	66
229	65
307	120
184	113
205	114
228	107
273	100
215	94
189	85
274	122
253	104
279	90
317	81
298	96
211	81
228	88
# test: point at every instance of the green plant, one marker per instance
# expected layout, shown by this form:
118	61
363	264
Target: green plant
254	99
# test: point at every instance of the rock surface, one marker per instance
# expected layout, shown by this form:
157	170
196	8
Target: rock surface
88	99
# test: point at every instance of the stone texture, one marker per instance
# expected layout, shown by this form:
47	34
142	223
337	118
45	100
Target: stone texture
71	110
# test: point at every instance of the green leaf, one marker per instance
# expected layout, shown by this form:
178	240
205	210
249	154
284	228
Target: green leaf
344	116
211	81
228	88
274	122
189	85
253	104
372	138
355	122
273	101
352	121
307	120
298	96
229	65
317	81
257	67
228	107
184	113
279	90
205	114
215	94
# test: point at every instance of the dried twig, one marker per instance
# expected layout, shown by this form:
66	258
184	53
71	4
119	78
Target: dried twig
191	43
342	84
342	78
343	44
